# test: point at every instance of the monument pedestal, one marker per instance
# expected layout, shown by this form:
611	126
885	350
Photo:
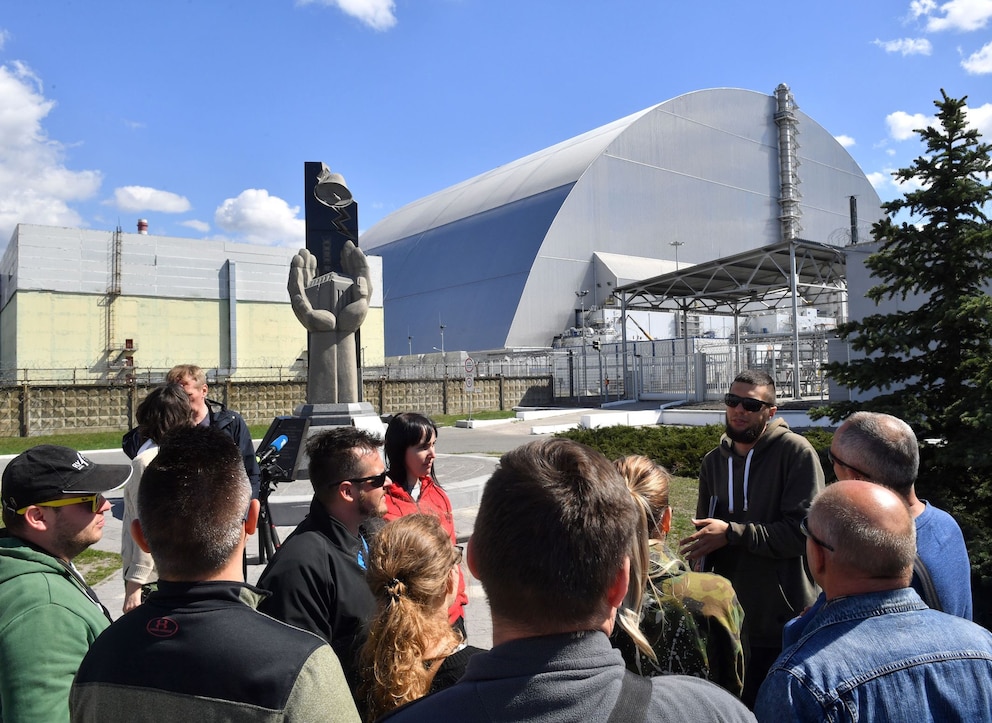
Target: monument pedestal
346	414
325	416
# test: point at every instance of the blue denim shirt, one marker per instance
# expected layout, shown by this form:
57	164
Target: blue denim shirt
881	657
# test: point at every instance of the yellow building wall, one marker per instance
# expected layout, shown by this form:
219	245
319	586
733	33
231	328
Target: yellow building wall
69	331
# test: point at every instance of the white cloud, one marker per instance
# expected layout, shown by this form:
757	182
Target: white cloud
922	7
261	219
879	180
377	14
35	185
906	46
4	37
902	125
201	226
909	185
979	63
845	141
960	15
981	118
142	198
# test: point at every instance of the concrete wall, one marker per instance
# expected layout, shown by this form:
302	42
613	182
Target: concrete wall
40	410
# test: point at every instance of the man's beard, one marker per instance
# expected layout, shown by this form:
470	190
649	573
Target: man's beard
366	508
69	542
748	435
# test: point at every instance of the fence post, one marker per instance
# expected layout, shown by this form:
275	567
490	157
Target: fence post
23	409
502	402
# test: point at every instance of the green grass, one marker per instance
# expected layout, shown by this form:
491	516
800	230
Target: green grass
86	440
448	420
682	493
97	565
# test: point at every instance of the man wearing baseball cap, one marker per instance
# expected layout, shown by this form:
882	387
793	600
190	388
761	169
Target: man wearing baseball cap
53	507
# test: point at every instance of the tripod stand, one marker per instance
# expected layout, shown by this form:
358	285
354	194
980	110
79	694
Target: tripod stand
268	537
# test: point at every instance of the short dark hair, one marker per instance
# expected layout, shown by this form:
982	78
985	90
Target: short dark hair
192	502
336	455
756	378
883	447
164	409
553	528
404	431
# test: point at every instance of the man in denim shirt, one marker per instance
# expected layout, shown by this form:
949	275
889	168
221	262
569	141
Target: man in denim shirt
874	650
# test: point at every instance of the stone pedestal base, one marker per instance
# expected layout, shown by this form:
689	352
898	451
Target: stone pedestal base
350	414
325	416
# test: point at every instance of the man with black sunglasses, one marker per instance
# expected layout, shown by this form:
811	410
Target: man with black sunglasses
754	491
317	576
53	508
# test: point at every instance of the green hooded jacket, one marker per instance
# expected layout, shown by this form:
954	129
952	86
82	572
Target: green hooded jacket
47	622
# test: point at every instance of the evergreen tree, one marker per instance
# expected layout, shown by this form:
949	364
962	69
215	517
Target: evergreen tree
930	357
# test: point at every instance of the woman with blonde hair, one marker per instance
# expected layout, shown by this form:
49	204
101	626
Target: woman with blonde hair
674	620
412	650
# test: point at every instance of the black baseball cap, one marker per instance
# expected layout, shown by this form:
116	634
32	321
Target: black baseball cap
48	471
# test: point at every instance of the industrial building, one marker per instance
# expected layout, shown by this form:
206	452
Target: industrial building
81	305
514	257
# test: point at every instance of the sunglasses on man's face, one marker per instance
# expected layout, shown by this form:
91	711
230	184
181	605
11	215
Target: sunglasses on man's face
749	403
376	480
95	501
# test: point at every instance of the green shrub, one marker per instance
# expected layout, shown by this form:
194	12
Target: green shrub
679	449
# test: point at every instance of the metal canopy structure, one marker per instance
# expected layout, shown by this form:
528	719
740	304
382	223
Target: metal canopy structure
763	279
751	281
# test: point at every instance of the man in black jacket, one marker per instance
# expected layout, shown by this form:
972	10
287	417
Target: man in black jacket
195	649
317	577
206	413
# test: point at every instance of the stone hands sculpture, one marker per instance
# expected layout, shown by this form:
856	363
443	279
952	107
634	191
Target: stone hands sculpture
331	307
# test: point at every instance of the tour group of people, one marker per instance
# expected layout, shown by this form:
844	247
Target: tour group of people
791	600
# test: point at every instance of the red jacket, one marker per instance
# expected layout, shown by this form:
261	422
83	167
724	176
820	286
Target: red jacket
433	501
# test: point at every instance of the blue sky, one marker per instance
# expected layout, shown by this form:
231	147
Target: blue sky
199	115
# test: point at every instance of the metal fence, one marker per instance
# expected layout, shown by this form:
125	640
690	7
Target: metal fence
40	401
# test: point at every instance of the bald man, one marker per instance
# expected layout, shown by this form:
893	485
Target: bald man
881	448
874	650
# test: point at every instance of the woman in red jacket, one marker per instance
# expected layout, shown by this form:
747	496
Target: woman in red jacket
410	439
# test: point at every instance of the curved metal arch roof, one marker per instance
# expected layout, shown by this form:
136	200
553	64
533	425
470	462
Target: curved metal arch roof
547	169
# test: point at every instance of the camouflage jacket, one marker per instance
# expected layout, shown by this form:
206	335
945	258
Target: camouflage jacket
692	621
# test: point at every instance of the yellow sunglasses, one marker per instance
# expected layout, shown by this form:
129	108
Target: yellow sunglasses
96	502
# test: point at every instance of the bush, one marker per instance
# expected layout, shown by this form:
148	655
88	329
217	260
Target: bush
679	449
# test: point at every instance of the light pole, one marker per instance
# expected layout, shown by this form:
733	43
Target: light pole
685	320
582	312
582	323
409	342
676	244
444	359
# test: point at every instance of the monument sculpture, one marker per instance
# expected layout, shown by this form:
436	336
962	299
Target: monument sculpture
331	307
